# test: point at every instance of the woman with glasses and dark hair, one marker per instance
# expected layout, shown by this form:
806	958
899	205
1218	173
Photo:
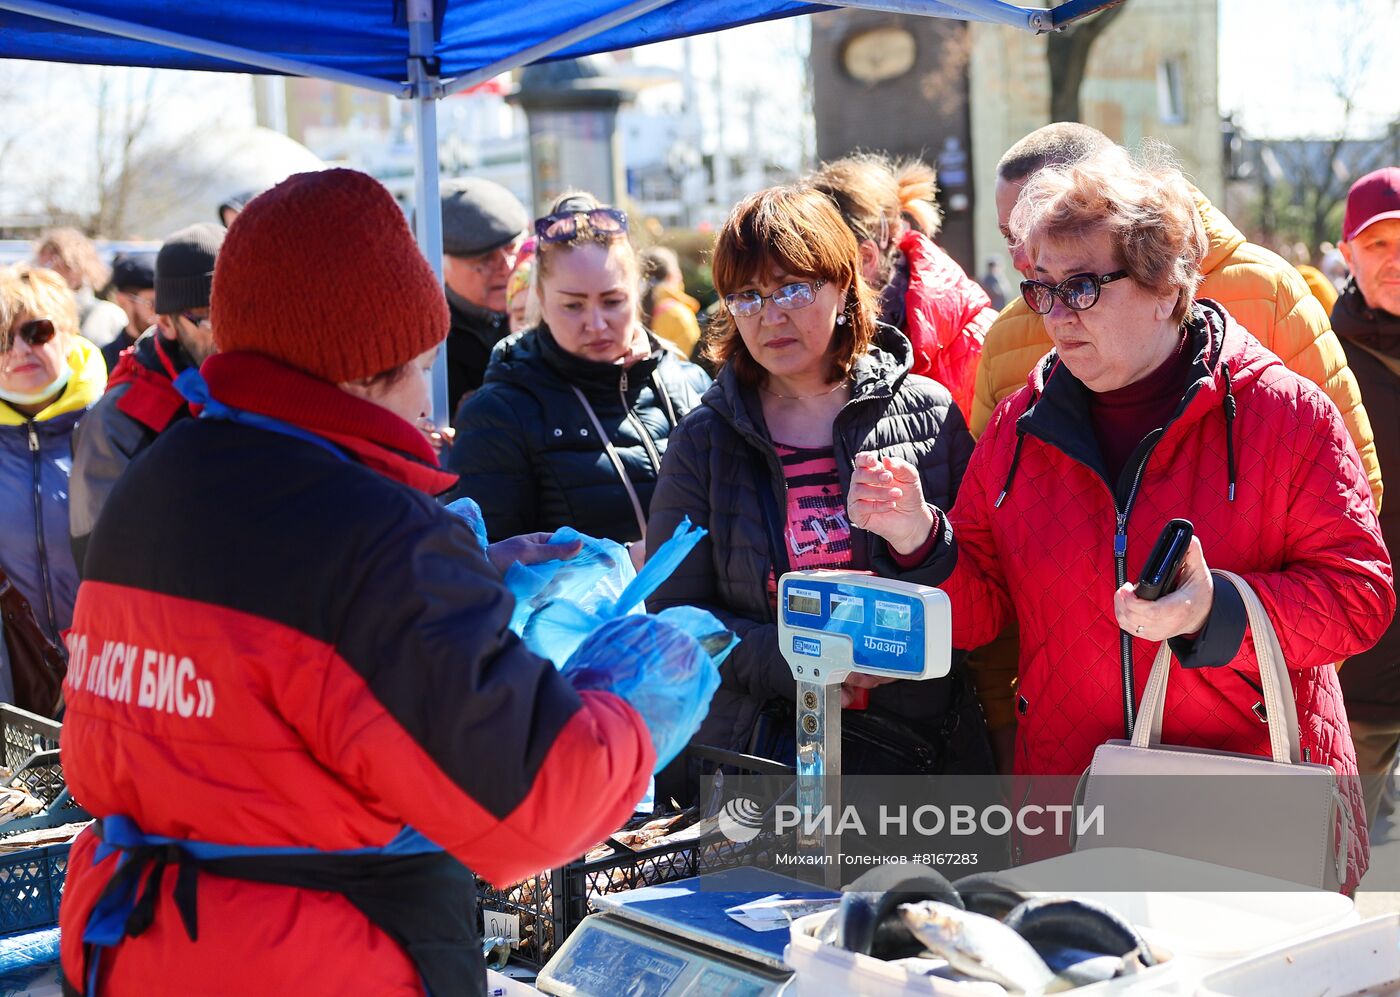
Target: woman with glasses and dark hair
49	376
1152	406
570	424
808	378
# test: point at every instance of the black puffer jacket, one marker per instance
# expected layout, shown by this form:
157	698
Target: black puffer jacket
709	475
1369	683
529	454
475	332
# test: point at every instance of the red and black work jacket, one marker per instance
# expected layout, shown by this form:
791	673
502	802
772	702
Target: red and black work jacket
291	650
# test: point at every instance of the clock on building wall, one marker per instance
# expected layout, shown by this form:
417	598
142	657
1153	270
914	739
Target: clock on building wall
879	54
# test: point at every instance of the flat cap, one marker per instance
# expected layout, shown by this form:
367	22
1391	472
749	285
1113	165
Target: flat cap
134	271
479	216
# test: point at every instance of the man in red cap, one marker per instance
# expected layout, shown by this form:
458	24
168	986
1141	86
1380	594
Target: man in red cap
1367	318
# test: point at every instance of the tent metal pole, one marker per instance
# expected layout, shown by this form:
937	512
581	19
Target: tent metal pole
987	11
534	53
202	46
427	199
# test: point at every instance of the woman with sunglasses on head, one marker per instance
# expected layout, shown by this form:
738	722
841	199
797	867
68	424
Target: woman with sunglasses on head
49	376
808	378
1152	406
573	418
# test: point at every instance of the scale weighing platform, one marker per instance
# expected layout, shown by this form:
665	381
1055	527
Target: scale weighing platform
677	941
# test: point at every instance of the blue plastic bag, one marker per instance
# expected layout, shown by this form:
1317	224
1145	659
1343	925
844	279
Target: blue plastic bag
559	603
469	512
665	666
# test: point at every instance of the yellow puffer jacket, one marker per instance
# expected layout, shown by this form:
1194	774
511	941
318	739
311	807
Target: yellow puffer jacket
1264	294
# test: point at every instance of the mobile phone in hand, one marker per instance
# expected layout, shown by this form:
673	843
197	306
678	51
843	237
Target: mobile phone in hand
1163	564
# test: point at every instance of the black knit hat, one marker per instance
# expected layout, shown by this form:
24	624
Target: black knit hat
134	271
185	268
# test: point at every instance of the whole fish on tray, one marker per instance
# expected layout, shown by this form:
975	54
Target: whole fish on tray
979	946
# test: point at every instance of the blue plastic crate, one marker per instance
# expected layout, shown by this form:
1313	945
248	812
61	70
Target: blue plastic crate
31	882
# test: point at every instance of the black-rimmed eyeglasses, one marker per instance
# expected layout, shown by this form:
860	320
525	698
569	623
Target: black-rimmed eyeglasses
1078	291
743	304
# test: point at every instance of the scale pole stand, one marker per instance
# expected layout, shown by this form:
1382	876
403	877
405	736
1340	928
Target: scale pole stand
819	774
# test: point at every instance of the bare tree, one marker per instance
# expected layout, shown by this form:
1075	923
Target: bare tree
123	121
1322	176
1068	57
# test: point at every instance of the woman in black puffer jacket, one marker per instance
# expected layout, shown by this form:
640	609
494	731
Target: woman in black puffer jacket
572	420
808	380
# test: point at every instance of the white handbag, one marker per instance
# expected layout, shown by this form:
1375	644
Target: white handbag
1278	816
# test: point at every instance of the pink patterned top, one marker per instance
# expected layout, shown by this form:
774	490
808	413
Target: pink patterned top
817	532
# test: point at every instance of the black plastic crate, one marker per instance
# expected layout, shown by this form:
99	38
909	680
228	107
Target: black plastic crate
31	751
31	754
552	904
31	883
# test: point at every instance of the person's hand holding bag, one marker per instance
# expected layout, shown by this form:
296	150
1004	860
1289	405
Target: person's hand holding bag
887	499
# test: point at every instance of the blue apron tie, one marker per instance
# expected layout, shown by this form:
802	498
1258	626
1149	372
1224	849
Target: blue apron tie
120	913
191	384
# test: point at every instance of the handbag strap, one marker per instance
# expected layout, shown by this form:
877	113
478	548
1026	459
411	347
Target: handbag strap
616	460
772	522
1282	711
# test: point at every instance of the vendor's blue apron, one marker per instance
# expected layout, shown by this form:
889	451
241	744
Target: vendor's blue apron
413	891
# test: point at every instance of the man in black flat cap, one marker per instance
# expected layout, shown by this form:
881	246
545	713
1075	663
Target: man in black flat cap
134	280
483	226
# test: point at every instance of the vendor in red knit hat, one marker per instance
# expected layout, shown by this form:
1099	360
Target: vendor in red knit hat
291	673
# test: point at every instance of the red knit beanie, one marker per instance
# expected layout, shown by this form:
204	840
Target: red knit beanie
322	273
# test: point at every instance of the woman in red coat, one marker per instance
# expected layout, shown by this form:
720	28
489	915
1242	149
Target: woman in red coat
1152	406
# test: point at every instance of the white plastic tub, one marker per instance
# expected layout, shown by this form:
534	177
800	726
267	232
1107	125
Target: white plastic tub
1359	959
1205	930
1201	931
824	970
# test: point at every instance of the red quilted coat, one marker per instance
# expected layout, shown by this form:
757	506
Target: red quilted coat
1301	528
946	317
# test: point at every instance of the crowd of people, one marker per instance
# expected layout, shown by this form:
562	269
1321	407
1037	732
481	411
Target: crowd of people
231	467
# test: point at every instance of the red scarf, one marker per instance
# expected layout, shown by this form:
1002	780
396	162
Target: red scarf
152	399
370	433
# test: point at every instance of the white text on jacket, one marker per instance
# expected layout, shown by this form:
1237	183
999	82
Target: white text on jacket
126	673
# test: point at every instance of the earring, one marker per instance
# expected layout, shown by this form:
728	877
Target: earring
840	319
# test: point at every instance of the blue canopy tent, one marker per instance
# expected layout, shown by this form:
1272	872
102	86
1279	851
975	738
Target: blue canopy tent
416	50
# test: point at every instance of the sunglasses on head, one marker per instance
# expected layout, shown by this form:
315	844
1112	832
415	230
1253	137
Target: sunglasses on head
1079	291
744	304
564	225
35	332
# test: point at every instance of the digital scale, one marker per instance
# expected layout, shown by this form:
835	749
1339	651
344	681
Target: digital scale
835	623
676	940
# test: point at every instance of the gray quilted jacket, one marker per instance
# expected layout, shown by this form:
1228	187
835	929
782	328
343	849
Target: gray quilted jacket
709	474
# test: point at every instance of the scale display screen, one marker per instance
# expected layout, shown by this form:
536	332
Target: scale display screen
890	615
886	629
600	959
805	602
